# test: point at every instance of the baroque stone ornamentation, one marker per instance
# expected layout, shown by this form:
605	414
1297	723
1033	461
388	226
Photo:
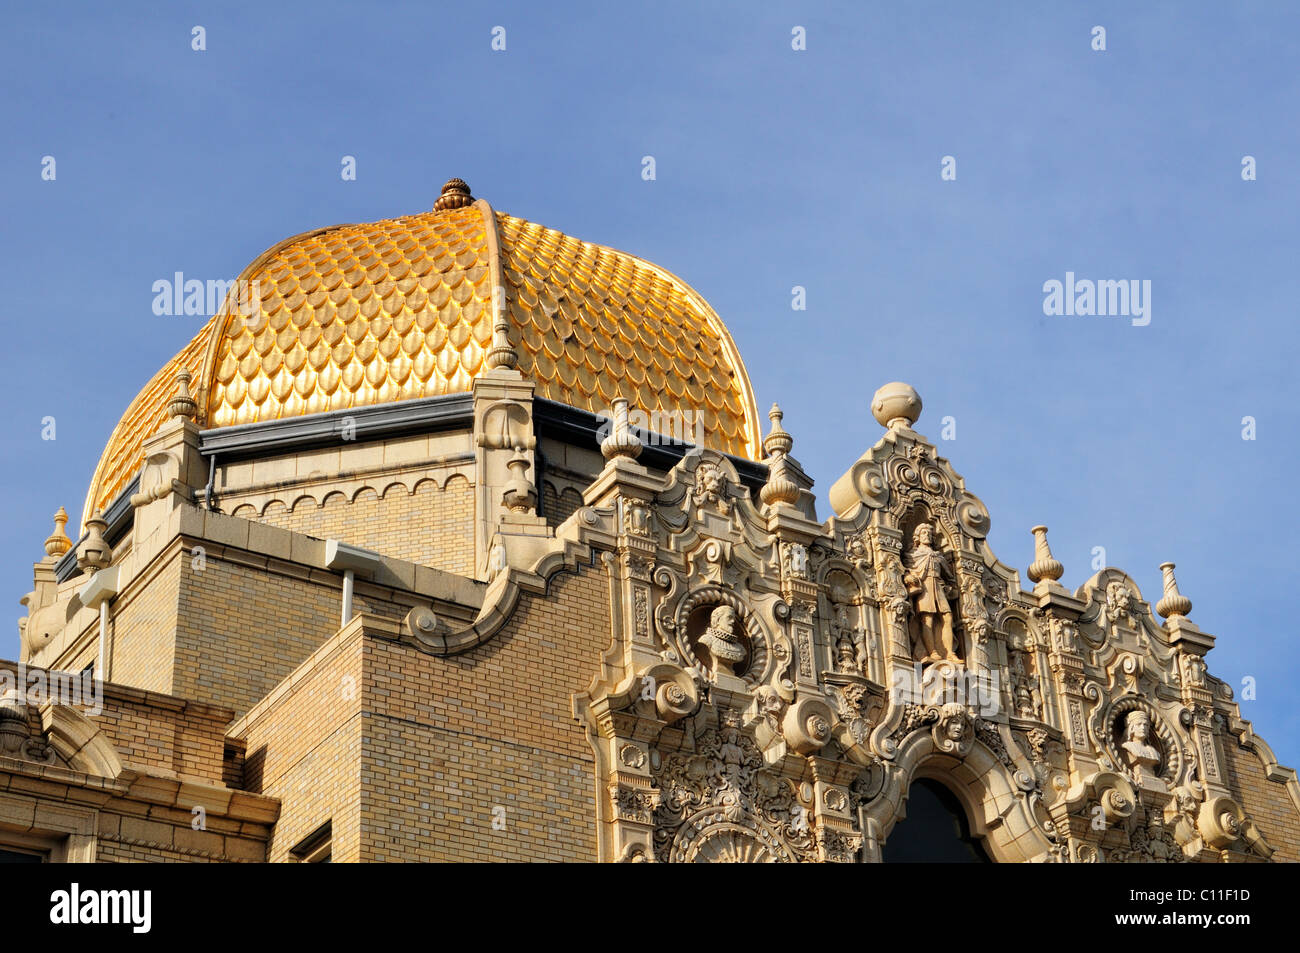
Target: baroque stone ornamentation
711	488
721	803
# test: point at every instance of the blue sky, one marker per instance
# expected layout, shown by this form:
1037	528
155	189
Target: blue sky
775	168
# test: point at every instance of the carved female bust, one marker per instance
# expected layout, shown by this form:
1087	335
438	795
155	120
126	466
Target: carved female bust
1142	756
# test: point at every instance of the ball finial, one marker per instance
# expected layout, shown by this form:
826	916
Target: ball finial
896	405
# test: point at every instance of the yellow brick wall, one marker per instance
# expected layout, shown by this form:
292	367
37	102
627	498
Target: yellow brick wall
559	506
447	740
432	527
1266	801
143	627
304	747
189	743
241	630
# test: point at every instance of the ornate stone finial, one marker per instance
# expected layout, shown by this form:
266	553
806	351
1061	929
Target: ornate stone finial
1174	603
896	405
621	442
779	488
502	353
520	496
455	194
1043	566
94	553
57	543
777	439
182	404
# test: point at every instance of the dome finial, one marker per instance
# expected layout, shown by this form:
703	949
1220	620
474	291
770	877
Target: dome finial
182	404
1174	603
455	194
58	543
896	405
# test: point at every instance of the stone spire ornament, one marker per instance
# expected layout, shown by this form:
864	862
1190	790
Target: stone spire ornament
455	194
182	404
621	442
1174	603
779	488
778	440
1044	565
57	543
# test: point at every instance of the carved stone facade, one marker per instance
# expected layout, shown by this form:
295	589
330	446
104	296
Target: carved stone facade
1068	722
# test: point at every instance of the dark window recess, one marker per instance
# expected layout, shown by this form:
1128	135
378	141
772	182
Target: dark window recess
934	831
314	848
20	857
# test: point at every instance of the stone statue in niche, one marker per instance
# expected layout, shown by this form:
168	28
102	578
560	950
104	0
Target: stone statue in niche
844	633
1143	757
798	557
638	519
1024	687
930	584
721	640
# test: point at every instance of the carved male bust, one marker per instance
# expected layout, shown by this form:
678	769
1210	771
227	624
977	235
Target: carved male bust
1142	756
721	640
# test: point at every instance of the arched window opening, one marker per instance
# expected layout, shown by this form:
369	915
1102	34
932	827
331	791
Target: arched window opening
934	831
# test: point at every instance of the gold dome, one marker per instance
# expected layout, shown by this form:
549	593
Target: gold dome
357	315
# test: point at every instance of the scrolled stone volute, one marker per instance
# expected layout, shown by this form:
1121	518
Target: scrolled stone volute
424	625
807	725
675	694
1220	821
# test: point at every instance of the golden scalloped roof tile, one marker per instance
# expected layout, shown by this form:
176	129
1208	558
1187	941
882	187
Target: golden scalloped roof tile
399	309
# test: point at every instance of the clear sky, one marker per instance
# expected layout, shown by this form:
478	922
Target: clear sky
775	168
